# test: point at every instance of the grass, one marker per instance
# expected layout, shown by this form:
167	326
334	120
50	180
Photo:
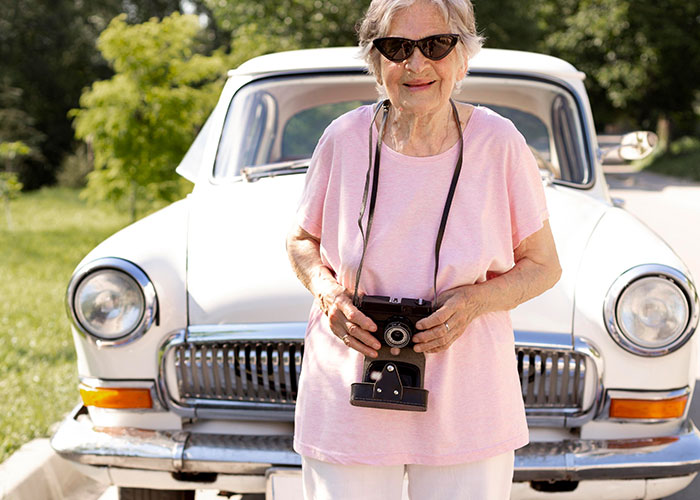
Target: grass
682	159
53	229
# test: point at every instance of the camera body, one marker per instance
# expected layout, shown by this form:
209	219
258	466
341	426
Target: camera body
392	381
395	318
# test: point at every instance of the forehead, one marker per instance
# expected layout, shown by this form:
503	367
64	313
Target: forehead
422	18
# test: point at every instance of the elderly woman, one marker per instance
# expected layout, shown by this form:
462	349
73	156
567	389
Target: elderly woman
497	252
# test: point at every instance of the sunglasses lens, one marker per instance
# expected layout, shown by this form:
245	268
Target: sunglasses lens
438	46
394	49
399	49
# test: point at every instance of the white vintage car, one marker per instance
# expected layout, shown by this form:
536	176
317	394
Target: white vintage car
189	324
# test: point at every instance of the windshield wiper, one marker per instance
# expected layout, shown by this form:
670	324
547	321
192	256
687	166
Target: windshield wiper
251	174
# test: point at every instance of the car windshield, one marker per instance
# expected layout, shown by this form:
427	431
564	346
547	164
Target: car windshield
279	120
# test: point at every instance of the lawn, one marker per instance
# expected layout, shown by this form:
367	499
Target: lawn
53	229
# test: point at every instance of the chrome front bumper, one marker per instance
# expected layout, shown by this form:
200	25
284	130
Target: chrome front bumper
573	460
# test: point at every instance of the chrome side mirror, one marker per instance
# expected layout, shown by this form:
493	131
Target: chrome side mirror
630	147
637	145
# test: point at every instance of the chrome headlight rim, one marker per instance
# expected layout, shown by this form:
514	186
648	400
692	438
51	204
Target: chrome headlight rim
633	275
145	286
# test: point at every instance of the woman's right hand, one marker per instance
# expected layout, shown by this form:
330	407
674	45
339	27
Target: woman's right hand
347	322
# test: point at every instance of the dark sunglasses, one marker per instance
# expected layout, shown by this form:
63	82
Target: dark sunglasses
433	47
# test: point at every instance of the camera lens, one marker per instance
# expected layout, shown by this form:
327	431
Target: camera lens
397	334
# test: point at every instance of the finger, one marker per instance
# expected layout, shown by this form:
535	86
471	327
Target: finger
362	335
360	347
395	351
356	316
435	319
439	344
436	332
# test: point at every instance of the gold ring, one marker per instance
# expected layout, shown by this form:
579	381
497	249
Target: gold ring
346	339
447	327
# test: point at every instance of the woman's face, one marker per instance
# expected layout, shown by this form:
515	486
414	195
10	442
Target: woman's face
419	85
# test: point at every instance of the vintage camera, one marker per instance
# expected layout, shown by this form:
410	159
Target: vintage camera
393	381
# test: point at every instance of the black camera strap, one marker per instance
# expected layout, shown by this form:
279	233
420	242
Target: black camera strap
373	197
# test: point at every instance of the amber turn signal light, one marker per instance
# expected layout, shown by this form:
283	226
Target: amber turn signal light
116	397
648	409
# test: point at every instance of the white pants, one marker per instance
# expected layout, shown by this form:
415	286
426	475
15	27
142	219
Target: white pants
489	479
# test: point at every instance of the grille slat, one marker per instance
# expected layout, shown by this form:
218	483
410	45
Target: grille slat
221	373
537	392
276	372
231	372
287	374
253	358
265	374
243	371
211	382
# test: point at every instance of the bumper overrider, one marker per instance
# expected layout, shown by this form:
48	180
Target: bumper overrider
183	452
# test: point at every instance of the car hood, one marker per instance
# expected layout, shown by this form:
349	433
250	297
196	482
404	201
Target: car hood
238	270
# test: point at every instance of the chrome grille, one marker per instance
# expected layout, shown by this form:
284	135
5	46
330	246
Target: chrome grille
551	378
245	371
222	377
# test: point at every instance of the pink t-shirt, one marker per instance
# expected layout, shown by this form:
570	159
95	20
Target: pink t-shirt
475	407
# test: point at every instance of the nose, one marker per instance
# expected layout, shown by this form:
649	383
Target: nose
416	62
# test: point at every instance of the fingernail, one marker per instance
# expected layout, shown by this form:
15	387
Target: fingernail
377	345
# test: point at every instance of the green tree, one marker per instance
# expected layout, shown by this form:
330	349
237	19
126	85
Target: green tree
17	127
642	57
262	26
140	122
508	24
10	187
48	49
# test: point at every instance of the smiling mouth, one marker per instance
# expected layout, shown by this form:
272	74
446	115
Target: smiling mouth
419	85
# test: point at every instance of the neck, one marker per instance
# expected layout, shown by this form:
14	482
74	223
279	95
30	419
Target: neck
421	134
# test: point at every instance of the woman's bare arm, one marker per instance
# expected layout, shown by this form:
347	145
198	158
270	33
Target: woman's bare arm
536	270
335	301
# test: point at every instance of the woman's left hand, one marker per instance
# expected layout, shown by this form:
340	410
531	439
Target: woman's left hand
457	308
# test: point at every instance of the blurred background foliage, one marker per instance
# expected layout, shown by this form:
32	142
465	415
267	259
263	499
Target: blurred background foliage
140	122
642	59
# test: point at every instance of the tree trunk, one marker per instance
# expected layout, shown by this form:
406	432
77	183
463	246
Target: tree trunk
663	130
132	202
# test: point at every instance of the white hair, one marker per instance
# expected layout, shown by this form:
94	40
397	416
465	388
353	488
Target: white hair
459	14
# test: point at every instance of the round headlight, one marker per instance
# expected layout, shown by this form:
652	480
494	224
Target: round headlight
109	304
651	310
111	301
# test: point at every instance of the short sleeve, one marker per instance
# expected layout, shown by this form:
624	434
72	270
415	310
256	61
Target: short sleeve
310	210
528	207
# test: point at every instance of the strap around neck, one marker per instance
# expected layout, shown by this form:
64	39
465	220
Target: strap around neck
373	197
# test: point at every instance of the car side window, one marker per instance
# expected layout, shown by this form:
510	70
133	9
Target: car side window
564	135
304	129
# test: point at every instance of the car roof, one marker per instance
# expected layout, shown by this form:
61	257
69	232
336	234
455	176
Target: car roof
339	58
